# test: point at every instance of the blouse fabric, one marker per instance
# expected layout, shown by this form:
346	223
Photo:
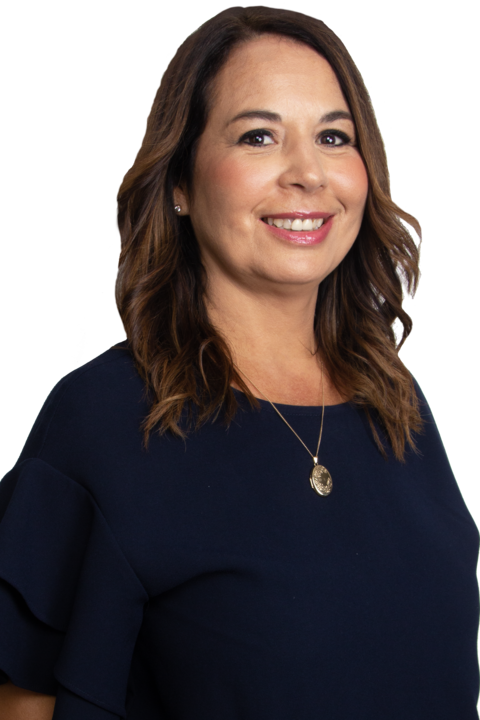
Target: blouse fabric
205	579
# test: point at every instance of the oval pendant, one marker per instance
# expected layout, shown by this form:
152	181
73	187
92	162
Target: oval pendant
321	480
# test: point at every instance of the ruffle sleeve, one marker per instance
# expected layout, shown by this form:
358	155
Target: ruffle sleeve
71	605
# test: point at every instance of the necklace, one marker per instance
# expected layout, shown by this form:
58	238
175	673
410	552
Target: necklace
320	478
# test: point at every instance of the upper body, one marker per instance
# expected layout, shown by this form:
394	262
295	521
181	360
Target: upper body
206	578
176	561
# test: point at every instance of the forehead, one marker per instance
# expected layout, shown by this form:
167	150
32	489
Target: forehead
274	67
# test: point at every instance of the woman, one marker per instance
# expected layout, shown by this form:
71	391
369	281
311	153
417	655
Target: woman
245	511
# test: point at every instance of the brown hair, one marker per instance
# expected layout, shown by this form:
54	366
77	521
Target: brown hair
160	288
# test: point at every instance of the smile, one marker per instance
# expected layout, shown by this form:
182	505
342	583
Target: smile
300	230
295	224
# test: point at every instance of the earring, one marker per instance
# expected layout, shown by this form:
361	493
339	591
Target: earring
178	208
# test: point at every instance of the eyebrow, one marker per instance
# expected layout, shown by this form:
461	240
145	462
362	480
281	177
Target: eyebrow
275	117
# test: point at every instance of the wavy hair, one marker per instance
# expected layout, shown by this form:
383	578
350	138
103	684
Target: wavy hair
160	290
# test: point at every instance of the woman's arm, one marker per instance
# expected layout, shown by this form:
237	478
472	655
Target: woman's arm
19	704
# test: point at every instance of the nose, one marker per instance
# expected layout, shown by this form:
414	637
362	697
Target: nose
304	167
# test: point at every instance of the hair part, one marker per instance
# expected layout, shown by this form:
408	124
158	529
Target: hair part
186	364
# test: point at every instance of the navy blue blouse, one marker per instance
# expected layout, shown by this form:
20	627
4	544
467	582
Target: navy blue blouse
206	579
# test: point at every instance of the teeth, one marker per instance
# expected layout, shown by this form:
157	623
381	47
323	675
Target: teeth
296	223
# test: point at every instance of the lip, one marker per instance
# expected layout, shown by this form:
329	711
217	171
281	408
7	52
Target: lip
298	237
305	215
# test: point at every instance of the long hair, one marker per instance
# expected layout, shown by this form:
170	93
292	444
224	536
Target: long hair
160	290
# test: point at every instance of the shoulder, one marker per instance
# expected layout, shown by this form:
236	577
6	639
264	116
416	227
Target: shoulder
112	369
92	402
422	401
108	377
427	444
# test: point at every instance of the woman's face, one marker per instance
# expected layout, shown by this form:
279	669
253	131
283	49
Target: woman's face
279	143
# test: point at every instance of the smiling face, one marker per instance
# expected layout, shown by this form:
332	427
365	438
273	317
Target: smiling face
278	149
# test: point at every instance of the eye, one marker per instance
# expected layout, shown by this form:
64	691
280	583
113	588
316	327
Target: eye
257	138
334	138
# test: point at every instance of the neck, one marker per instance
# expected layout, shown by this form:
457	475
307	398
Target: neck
273	331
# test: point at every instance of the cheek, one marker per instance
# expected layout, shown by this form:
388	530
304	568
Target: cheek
351	183
210	184
230	184
216	201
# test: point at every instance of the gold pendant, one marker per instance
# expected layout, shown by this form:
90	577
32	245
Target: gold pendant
320	479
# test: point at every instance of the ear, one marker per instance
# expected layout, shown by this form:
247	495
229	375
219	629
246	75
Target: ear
180	199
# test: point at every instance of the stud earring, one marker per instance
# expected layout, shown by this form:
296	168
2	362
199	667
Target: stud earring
178	208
